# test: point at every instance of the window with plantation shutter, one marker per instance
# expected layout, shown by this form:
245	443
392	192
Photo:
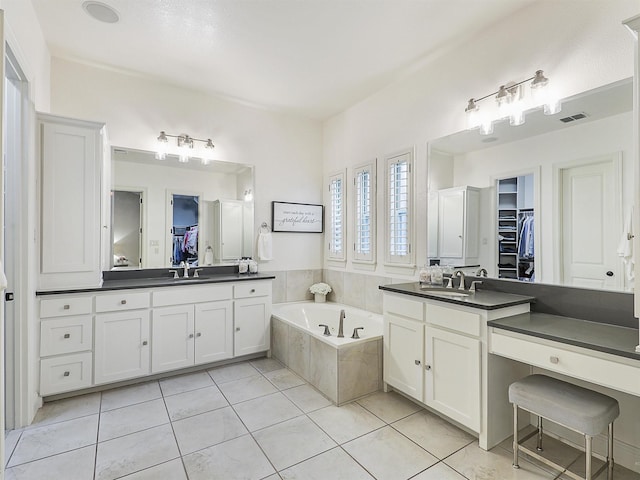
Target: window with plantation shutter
364	184
336	217
399	214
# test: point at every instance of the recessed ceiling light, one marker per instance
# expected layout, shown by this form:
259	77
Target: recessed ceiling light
101	11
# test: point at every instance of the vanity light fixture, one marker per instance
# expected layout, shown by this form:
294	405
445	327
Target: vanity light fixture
185	145
248	195
512	103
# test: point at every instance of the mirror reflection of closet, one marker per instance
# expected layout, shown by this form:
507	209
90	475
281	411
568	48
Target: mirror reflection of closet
183	215
516	228
126	231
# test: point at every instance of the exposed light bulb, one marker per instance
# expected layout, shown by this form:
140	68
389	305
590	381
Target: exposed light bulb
162	146
473	115
248	195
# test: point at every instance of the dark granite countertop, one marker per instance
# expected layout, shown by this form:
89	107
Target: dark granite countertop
602	337
158	282
482	299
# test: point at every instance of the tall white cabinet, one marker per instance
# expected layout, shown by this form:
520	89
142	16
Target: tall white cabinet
73	218
458	217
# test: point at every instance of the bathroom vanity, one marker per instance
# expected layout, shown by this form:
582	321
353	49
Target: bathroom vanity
132	328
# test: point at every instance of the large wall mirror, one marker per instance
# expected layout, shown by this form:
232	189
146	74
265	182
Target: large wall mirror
569	176
165	212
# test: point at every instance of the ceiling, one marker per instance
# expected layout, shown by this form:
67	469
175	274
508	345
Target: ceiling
308	57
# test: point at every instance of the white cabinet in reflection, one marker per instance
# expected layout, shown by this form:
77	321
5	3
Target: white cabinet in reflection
458	222
227	229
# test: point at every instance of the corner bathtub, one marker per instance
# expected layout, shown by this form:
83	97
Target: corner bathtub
343	369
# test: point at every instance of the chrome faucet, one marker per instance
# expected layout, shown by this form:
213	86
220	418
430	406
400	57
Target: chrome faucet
185	267
341	325
460	274
482	272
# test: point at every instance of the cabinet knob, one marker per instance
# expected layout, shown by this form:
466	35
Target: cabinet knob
67	335
123	302
198	334
191	335
418	362
553	359
237	329
67	307
427	367
145	343
66	374
253	290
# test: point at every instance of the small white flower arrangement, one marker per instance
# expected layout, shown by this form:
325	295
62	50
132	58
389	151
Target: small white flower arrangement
320	288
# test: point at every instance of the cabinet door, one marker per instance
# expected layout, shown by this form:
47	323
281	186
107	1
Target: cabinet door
70	203
121	345
451	224
403	355
172	338
452	376
252	325
214	332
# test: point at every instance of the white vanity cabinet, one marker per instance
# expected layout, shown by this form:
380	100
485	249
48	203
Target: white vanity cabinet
458	228
252	316
71	197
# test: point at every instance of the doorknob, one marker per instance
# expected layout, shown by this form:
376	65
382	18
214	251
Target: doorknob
609	273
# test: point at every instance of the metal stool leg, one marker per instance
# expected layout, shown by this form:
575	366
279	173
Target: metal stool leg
515	436
539	445
588	453
610	452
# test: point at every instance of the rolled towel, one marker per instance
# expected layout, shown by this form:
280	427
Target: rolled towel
265	246
3	278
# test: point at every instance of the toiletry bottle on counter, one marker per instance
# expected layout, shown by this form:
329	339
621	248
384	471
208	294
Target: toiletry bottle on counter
208	255
243	266
253	266
425	275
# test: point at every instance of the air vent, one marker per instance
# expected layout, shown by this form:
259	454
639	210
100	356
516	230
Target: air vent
572	118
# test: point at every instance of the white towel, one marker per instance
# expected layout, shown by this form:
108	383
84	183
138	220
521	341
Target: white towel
3	278
265	246
625	249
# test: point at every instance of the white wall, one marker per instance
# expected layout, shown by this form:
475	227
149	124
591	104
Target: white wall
285	150
580	45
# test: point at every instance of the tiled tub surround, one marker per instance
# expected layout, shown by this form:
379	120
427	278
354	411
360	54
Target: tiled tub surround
343	369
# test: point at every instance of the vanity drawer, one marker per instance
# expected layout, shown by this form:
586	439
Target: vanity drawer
453	319
65	306
404	307
252	289
66	373
66	335
575	361
191	294
114	302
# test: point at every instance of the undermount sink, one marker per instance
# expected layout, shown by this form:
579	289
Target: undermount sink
443	292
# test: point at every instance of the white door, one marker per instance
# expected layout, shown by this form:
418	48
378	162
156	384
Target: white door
403	355
451	218
214	331
121	345
231	226
252	322
452	376
172	338
591	226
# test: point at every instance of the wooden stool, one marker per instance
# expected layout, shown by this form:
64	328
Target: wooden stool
579	409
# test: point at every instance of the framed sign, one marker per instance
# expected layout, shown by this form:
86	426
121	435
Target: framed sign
297	217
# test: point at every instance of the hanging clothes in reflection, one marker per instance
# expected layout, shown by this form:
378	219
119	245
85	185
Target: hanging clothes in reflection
526	238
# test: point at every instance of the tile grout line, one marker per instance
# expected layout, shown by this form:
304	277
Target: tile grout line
175	439
95	456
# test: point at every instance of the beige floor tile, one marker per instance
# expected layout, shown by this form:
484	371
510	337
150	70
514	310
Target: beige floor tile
307	398
194	402
390	407
132	453
229	373
246	388
439	471
284	379
334	464
619	473
185	383
293	441
477	464
125	396
171	470
388	455
553	449
67	409
266	411
11	438
346	422
207	429
131	419
56	438
74	465
435	435
239	458
265	365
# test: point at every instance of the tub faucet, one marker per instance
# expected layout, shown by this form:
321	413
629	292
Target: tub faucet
460	273
355	332
341	325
